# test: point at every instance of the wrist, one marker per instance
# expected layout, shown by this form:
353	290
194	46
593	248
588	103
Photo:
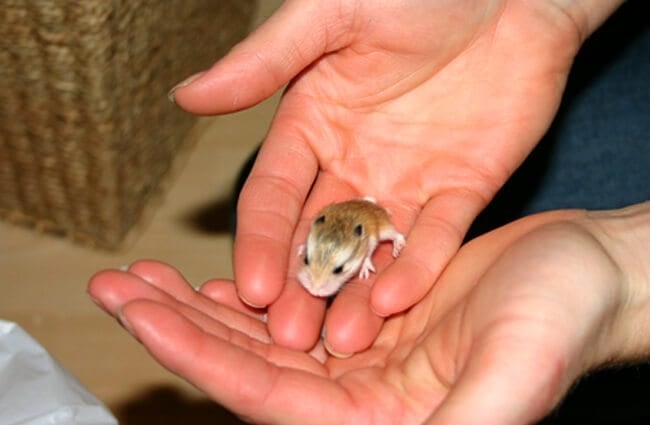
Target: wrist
625	235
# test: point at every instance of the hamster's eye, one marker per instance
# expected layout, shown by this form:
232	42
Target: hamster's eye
358	230
320	220
338	270
306	260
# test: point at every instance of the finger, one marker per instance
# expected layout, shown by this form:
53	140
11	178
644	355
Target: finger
351	326
432	241
225	293
289	41
295	319
141	279
269	207
171	281
113	289
252	382
223	322
165	277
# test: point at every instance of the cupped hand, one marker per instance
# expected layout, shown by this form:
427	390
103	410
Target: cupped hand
427	106
522	310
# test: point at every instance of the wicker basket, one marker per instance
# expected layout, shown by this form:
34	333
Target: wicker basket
86	131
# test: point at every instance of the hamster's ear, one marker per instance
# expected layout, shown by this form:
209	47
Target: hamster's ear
358	230
320	220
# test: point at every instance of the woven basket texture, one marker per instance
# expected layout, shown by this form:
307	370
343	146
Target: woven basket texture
87	134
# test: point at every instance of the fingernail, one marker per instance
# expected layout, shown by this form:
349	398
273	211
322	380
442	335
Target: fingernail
334	352
184	83
125	323
378	314
328	347
250	304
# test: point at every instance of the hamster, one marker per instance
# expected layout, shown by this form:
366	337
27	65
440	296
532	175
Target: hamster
341	242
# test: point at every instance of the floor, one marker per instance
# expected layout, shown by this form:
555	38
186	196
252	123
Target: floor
44	278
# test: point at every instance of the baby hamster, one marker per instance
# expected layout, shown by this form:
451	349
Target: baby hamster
341	242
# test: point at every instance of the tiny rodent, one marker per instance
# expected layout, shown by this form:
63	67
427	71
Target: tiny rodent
341	242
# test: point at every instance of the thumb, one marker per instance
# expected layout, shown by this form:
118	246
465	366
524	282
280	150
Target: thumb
296	35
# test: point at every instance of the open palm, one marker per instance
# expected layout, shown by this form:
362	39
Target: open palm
428	106
512	314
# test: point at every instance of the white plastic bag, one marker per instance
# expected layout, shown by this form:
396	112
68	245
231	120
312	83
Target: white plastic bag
36	390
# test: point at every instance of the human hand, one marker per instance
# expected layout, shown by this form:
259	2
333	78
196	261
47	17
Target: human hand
427	106
522	310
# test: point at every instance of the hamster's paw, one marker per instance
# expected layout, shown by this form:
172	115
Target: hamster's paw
366	268
398	244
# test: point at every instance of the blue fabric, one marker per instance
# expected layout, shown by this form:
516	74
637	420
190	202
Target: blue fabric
601	137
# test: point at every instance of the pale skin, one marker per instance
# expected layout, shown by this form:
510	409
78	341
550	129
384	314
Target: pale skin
524	310
427	106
